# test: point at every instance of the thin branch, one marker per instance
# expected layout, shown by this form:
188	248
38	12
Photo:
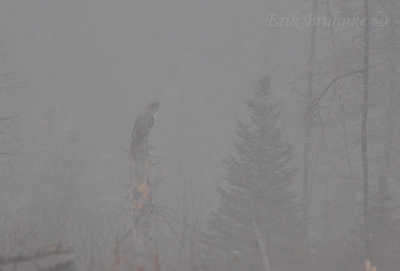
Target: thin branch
317	99
305	77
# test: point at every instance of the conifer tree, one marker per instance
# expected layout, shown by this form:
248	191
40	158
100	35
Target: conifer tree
258	223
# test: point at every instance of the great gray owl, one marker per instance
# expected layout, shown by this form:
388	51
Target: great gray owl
141	130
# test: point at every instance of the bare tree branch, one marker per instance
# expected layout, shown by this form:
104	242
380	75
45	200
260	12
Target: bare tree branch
317	99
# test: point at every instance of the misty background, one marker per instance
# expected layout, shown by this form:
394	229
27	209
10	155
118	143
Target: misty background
75	74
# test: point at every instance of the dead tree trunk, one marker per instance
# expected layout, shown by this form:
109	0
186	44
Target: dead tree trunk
309	116
364	143
142	205
382	214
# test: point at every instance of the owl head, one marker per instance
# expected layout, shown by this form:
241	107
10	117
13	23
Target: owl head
152	107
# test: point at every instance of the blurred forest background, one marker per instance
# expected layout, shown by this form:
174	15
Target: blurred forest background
276	145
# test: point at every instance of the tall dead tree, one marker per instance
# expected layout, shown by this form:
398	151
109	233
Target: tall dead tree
393	97
364	143
141	205
309	114
384	228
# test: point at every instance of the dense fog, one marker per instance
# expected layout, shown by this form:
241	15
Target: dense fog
199	135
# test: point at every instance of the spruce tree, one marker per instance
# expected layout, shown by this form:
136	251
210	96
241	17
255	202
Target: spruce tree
258	218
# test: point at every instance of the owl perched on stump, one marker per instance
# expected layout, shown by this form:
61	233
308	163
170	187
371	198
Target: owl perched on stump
139	143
